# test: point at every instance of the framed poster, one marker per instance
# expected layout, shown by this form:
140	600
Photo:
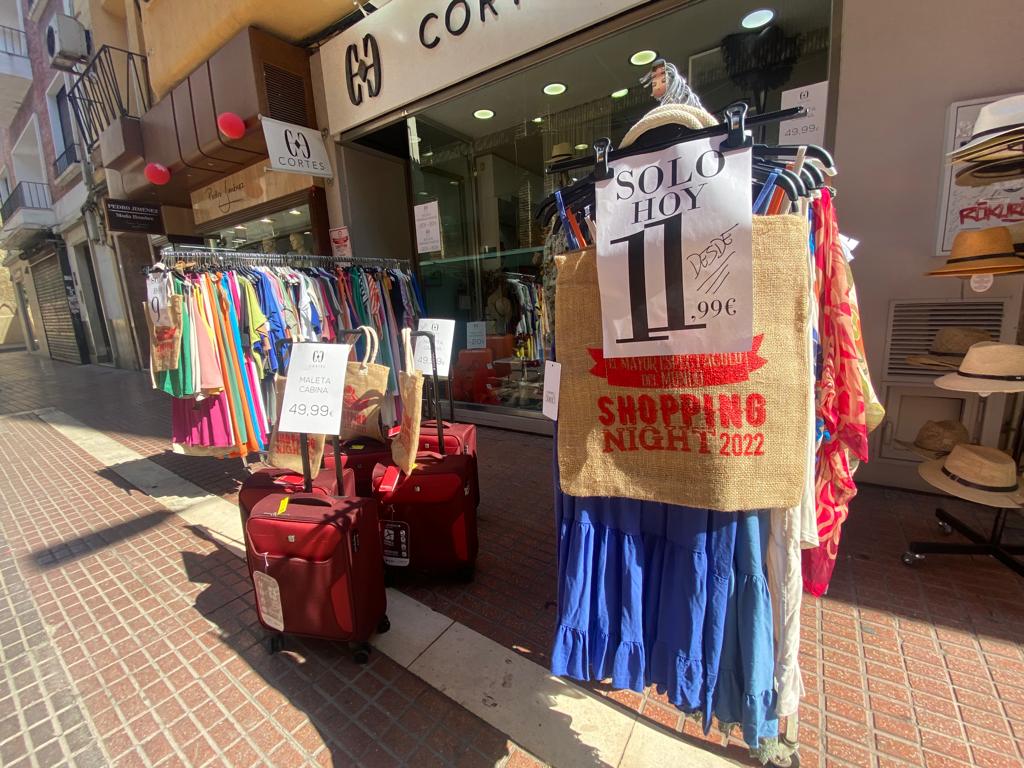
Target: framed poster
999	204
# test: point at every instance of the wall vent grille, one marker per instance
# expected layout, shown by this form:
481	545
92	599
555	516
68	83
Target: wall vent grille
286	95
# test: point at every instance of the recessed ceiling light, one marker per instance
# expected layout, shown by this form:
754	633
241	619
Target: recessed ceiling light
267	221
554	89
454	183
423	194
582	146
295	212
483	114
239	240
758	18
305	233
643	58
428	153
538	119
620	93
239	226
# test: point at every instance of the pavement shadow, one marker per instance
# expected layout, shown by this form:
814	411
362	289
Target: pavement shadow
375	714
81	546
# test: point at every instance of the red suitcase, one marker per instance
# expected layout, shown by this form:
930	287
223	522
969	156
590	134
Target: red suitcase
323	557
361	456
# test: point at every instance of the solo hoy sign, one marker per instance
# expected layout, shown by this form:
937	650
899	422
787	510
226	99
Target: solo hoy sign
674	252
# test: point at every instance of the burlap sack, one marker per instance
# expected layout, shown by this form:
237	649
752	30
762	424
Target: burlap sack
365	385
285	447
723	431
165	327
410	387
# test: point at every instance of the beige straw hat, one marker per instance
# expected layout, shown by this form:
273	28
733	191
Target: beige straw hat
948	347
998	132
975	473
936	439
981	252
694	118
561	151
986	368
991	172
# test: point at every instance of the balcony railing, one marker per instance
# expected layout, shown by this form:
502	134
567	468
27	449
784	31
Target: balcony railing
28	194
13	42
115	83
65	160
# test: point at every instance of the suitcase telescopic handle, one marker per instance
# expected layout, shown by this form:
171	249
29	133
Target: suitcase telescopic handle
435	388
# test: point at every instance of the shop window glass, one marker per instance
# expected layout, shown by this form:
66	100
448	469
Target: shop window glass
287	231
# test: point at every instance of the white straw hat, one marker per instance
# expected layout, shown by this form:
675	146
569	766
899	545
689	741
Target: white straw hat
975	473
693	118
991	172
988	367
998	132
936	438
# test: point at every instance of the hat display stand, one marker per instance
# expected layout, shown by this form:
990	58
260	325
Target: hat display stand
981	543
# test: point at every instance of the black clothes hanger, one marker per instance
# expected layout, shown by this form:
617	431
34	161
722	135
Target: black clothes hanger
793	150
782	180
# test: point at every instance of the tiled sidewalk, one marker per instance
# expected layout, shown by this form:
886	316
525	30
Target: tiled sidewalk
903	666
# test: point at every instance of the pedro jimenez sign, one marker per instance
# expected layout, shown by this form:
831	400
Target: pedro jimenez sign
315	389
674	254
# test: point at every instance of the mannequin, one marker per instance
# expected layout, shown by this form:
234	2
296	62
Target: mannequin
668	86
297	243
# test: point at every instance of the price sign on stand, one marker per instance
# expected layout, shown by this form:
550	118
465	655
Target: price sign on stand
809	129
476	334
315	389
444	333
674	252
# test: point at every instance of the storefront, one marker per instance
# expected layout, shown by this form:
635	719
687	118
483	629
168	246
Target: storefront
482	100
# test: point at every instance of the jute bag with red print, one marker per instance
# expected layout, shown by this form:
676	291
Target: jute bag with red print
721	431
285	449
365	385
410	387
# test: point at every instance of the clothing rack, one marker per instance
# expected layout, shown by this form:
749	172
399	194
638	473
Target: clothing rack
372	261
216	256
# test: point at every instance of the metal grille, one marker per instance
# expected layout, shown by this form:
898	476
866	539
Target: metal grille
65	160
286	95
13	41
914	323
28	194
115	83
54	311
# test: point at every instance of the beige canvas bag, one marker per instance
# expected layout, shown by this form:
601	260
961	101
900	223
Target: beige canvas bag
365	385
410	387
285	447
721	431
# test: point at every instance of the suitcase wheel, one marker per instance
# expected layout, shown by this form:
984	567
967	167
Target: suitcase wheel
465	573
383	625
362	654
275	644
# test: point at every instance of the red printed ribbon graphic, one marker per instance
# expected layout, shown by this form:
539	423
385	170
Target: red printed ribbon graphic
354	407
678	371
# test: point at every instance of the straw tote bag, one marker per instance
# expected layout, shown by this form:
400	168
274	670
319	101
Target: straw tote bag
365	385
410	387
285	449
719	431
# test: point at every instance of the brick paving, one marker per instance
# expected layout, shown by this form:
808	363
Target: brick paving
919	666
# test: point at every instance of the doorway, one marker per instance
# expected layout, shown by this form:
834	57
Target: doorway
93	318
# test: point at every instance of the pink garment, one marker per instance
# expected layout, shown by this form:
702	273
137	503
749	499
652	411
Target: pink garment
201	422
211	379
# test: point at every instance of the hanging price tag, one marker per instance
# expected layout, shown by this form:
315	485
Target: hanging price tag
674	252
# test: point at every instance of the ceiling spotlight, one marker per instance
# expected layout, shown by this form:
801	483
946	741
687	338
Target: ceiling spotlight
454	183
305	233
757	19
428	153
620	93
554	89
483	114
538	119
267	221
582	146
295	212
239	226
643	58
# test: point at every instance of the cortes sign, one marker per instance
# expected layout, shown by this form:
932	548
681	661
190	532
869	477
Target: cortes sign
427	45
295	148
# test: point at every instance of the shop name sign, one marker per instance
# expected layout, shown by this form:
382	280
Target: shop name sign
675	253
295	148
413	48
132	216
244	189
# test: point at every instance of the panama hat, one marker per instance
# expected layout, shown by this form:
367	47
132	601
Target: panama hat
948	347
990	172
975	473
999	125
988	367
936	438
560	151
685	115
981	252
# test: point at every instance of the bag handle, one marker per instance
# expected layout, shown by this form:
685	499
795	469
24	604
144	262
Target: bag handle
408	360
372	345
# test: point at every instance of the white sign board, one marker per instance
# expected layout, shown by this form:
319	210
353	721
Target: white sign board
296	149
809	129
674	252
406	50
341	245
552	388
1000	203
315	389
428	227
444	333
476	334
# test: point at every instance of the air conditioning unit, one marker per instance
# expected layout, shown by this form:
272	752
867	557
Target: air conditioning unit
67	42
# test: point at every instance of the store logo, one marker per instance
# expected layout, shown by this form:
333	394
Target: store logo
297	143
363	70
318	357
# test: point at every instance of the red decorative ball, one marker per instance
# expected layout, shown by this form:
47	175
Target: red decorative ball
231	125
157	174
